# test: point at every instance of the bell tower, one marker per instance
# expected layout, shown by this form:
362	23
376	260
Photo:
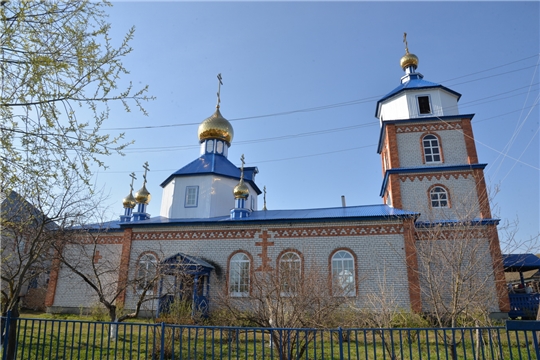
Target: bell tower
427	150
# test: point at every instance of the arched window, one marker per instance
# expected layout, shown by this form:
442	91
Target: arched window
146	273
239	275
439	197
343	279
432	150
290	273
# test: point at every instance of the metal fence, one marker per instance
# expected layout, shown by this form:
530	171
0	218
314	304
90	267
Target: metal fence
68	339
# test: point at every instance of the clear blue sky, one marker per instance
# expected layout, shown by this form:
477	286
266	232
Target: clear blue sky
301	80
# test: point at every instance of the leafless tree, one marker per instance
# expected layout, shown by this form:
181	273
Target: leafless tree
291	296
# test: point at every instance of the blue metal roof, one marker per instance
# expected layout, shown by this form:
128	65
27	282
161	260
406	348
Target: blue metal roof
520	262
366	212
215	164
416	82
424	169
442	119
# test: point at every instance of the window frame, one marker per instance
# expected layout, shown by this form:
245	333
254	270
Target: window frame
351	292
242	289
297	267
143	259
430	148
421	104
196	197
433	191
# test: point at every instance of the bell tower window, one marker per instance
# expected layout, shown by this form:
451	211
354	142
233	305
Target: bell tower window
432	149
439	197
424	106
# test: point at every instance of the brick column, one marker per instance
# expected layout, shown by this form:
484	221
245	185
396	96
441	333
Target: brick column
411	261
123	272
498	268
481	190
53	281
469	141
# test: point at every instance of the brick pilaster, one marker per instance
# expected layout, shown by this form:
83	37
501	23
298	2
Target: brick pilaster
469	141
123	272
411	260
498	268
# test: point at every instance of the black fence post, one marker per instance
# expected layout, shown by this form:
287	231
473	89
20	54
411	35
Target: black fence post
5	334
340	341
162	340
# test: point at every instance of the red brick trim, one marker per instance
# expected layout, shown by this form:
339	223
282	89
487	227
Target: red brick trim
251	270
394	190
469	141
411	261
441	153
123	272
438	176
53	280
498	269
481	190
355	259
448	197
392	146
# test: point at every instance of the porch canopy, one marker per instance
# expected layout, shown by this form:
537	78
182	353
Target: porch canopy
520	262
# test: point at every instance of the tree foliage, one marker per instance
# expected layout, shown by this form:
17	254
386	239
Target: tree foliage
59	72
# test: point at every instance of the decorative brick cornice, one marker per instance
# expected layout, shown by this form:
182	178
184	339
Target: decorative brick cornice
457	234
100	240
438	176
289	232
400	129
196	235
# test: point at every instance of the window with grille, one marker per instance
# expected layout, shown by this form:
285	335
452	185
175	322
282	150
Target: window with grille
432	149
239	268
439	197
192	196
343	279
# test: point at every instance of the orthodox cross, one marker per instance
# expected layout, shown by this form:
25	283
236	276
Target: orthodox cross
97	257
405	41
242	167
264	244
219	89
146	169
132	175
264	197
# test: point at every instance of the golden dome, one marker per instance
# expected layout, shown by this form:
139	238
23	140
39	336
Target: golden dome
409	60
216	127
129	201
143	196
241	191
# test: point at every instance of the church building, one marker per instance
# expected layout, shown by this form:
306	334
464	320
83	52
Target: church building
211	223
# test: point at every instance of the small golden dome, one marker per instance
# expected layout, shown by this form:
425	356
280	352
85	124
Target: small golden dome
409	60
216	127
143	196
241	191
129	201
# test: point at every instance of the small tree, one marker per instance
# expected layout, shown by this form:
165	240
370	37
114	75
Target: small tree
99	267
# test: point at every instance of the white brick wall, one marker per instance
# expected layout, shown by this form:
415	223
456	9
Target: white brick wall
411	152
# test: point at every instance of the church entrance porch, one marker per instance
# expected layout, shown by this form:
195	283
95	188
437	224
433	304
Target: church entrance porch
184	278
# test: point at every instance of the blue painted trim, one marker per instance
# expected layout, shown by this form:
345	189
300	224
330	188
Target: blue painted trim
251	221
417	120
426	169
